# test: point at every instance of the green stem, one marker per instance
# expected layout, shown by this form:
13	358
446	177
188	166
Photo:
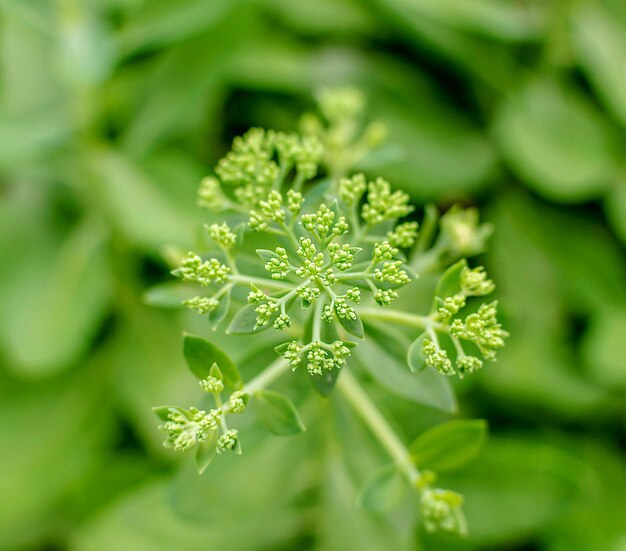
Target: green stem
317	320
260	281
371	416
399	317
267	376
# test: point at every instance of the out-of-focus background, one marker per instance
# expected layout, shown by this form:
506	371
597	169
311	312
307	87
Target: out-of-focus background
112	111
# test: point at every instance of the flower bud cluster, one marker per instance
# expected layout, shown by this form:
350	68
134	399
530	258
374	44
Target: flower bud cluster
203	305
474	282
441	511
383	205
461	232
194	269
404	235
318	356
322	224
186	428
483	329
222	235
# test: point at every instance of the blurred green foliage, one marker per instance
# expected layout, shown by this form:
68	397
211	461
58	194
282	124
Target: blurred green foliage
112	111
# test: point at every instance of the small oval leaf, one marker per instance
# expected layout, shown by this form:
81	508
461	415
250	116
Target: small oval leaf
217	315
384	489
201	354
325	382
277	413
450	445
450	282
206	452
414	355
244	322
353	326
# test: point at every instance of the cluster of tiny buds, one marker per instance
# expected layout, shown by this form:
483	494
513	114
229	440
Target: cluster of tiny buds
203	305
186	428
441	511
319	356
222	235
212	385
227	441
483	329
404	235
194	269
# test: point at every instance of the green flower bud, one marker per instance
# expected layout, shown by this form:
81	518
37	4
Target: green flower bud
404	235
212	385
441	511
227	441
383	205
222	235
203	305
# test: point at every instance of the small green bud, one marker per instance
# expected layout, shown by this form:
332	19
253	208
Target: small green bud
203	305
282	322
237	402
449	306
474	282
352	189
385	297
342	256
404	235
210	194
383	205
294	202
227	441
354	295
255	295
441	511
292	354
265	311
391	272
344	311
462	233
204	273
468	364
384	251
437	358
222	235
279	265
212	385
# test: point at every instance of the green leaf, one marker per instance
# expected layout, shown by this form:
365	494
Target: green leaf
384	489
325	382
450	445
218	315
600	41
162	412
170	294
239	230
384	358
201	354
56	305
206	452
556	140
277	413
615	207
450	282
266	255
162	22
353	326
244	322
138	208
414	355
604	347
